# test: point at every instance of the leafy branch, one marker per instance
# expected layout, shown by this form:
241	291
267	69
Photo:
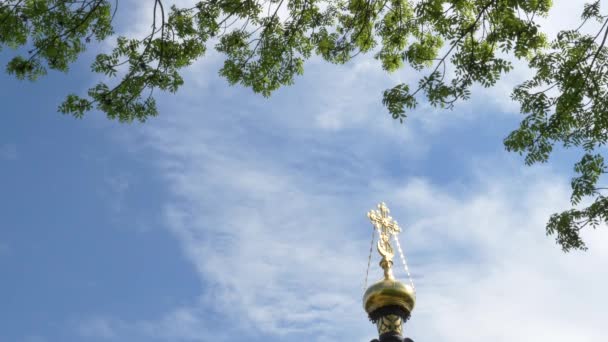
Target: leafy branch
265	44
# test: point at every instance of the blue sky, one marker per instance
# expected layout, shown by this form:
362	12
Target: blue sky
232	216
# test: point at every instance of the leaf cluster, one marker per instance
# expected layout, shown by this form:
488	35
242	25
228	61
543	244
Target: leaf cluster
454	44
54	32
265	44
565	103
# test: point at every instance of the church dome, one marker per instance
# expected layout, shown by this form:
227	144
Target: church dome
389	294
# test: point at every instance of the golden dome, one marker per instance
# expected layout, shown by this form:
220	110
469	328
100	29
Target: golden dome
389	292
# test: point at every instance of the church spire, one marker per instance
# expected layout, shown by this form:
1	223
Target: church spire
389	302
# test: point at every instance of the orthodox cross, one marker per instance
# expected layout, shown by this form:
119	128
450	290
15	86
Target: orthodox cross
386	227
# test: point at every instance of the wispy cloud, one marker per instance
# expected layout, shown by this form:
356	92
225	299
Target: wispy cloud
268	202
272	219
283	245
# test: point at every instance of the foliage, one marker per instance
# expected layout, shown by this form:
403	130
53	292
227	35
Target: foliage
565	103
265	44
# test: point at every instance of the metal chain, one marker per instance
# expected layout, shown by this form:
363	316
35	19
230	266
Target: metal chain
369	258
407	270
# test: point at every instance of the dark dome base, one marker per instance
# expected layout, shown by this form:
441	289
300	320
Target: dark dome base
392	338
375	315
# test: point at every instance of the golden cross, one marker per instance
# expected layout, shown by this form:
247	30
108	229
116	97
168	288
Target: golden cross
387	227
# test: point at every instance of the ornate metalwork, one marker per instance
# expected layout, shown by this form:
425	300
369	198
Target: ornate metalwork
387	227
390	324
389	302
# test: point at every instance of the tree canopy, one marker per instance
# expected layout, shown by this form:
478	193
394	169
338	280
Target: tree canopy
455	43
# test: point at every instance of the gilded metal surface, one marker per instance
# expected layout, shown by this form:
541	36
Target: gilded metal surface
389	292
387	227
390	323
381	298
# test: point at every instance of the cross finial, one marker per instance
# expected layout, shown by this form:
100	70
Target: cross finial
387	227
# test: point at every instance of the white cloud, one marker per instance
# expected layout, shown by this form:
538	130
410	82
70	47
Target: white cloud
509	281
278	232
269	201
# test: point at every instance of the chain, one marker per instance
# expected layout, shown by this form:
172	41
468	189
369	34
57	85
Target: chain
369	258
407	270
